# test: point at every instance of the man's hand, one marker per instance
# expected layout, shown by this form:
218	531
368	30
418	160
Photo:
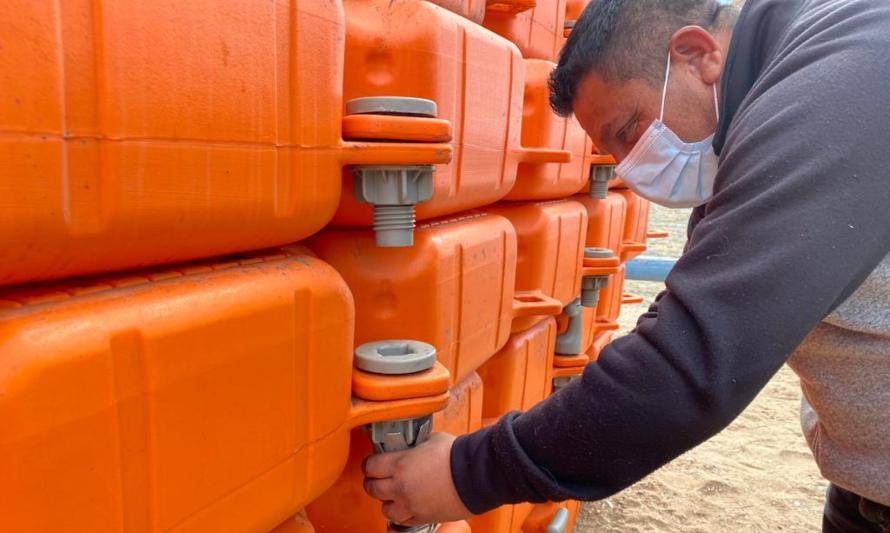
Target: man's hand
415	485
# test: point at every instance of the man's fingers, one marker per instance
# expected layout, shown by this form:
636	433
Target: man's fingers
397	512
381	465
384	489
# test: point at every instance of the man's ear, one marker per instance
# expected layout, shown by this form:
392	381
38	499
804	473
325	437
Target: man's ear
698	50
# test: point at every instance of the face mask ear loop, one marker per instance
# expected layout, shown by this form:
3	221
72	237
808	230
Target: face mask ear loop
664	90
716	103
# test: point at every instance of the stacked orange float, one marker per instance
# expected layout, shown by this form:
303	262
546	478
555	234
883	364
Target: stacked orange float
171	360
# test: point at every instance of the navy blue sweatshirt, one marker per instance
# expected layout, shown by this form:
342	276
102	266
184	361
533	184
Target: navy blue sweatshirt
800	217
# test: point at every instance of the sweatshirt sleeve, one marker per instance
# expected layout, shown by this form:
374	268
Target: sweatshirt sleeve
800	219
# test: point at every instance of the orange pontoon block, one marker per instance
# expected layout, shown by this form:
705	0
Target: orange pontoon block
605	226
550	238
347	508
516	378
539	32
453	289
544	131
130	138
142	401
416	49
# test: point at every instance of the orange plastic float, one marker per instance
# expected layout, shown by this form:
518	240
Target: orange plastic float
539	32
606	218
543	130
419	50
550	238
121	151
454	289
140	402
518	376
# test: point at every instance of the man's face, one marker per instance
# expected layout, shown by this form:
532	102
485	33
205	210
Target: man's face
616	113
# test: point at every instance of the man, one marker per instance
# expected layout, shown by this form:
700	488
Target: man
787	258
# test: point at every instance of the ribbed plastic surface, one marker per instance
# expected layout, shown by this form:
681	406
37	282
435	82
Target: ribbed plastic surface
452	289
139	132
417	49
543	129
203	398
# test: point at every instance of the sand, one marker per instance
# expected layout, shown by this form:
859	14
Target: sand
757	475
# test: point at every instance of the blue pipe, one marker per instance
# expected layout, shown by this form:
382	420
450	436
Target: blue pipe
648	268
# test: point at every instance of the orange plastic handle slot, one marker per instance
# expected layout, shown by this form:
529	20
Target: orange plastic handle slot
629	298
658	234
545	155
535	303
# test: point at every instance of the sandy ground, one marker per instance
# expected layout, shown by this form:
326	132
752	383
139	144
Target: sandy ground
757	475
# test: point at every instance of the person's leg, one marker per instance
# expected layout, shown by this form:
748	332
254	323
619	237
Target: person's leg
842	513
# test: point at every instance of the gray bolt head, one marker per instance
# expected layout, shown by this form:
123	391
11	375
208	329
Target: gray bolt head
592	252
395	357
392	105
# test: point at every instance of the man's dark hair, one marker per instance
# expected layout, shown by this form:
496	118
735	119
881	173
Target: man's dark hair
627	39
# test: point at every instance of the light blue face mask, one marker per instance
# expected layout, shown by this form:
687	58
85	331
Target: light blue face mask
663	168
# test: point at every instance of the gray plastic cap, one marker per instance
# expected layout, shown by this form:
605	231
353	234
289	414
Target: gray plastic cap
597	253
392	105
395	357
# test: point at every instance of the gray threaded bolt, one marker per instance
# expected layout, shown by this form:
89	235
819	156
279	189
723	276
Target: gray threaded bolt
393	190
599	180
394	225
